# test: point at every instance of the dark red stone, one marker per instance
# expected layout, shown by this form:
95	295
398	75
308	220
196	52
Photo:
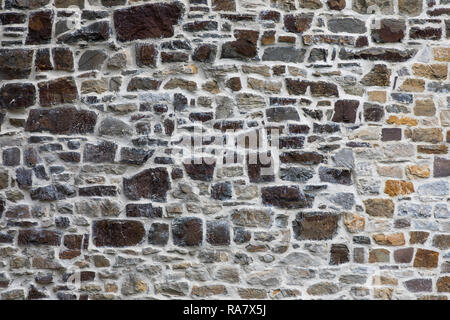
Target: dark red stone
339	254
345	111
298	23
218	233
390	31
302	157
149	184
286	197
40	27
391	134
428	33
154	20
143	210
117	233
15	63
63	59
17	95
58	91
97	191
187	231
199	169
65	120
104	151
441	167
205	53
39	237
146	55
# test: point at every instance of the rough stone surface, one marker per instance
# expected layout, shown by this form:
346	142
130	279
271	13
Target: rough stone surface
224	149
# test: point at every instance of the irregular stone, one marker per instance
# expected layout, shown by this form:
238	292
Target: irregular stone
426	259
91	60
187	231
287	197
218	233
40	27
94	32
348	25
15	63
315	226
114	127
390	31
104	151
154	20
158	234
39	237
298	23
58	91
410	7
117	233
149	184
379	207
345	111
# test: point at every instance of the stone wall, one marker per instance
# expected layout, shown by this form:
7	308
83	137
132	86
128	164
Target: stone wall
217	149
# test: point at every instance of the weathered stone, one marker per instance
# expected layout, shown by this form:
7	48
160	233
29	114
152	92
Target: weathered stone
348	25
379	207
379	255
285	54
58	91
403	255
114	127
15	63
398	187
395	239
410	7
39	237
338	176
441	167
146	55
154	20
199	169
315	226
149	184
187	231
345	111
158	234
94	32
339	254
40	27
426	259
378	54
378	76
441	241
218	233
419	285
323	288
443	284
117	233
104	151
390	31
298	23
373	6
91	60
287	197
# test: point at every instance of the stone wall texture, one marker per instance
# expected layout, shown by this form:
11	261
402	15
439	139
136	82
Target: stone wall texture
344	194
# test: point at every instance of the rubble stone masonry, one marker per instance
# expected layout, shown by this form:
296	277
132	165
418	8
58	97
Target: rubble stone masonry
224	149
